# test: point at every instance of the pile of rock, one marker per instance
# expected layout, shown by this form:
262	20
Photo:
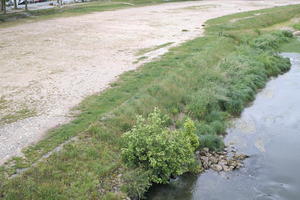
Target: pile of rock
226	160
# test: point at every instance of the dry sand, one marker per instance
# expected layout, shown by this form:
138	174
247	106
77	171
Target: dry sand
48	67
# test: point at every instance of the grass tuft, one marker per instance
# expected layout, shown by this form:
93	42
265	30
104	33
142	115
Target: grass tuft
18	115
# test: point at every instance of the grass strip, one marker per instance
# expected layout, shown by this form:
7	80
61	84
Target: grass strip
147	50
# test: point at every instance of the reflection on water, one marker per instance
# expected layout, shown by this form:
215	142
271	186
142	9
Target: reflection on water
268	131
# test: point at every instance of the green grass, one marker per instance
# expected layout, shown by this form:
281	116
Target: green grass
18	115
147	50
291	46
296	26
202	7
3	103
139	59
209	79
252	20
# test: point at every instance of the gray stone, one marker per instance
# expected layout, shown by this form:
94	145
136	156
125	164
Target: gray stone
214	160
222	162
204	159
217	168
226	168
240	156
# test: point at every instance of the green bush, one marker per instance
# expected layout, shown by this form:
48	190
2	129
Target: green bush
151	146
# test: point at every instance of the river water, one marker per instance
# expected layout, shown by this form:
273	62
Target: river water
268	131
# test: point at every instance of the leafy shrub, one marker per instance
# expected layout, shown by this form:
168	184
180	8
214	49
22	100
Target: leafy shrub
151	146
190	134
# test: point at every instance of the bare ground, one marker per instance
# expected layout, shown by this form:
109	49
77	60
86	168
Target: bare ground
48	67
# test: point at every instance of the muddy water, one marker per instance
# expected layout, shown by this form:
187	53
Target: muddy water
268	131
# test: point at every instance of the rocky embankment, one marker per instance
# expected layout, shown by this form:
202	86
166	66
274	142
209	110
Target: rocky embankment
226	160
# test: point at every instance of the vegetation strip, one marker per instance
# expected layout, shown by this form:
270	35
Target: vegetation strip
147	50
207	80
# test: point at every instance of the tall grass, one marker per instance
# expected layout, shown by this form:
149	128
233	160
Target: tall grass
209	79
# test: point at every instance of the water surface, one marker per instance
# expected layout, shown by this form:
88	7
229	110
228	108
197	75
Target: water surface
268	131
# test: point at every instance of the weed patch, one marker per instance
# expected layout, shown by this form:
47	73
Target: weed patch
3	103
147	50
19	115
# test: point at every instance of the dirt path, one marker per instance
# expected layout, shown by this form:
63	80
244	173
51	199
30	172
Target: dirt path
48	67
